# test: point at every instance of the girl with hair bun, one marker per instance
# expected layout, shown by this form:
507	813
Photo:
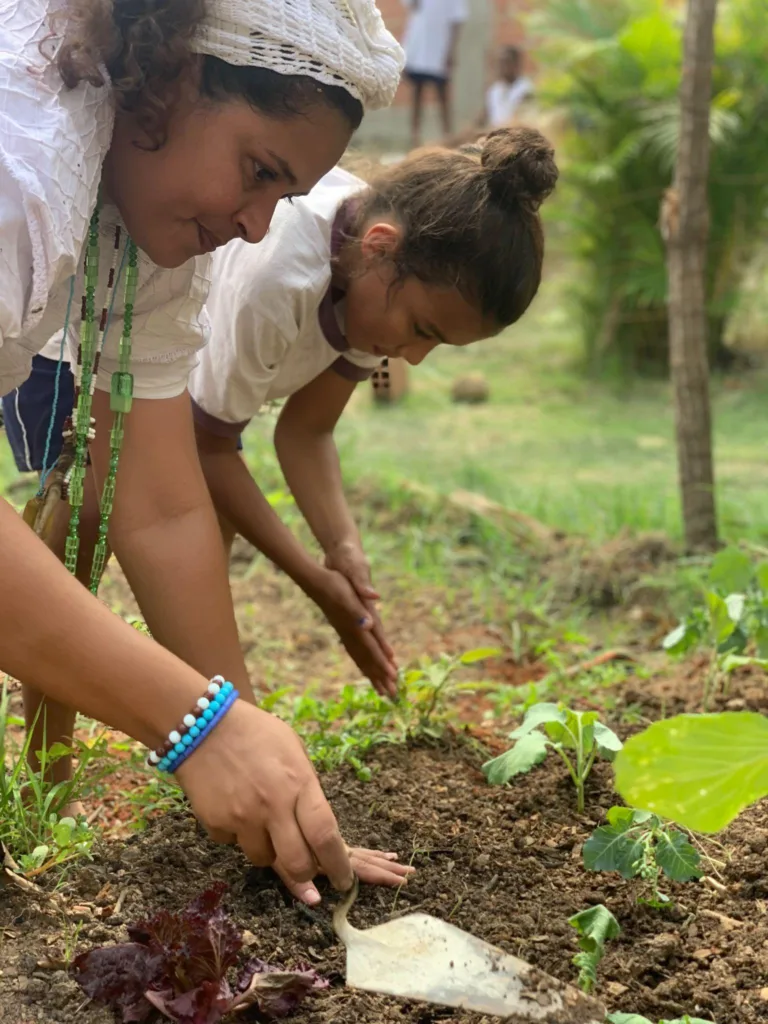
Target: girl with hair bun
136	137
445	248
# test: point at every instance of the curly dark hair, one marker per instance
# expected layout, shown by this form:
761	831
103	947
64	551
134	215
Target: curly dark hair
470	218
145	47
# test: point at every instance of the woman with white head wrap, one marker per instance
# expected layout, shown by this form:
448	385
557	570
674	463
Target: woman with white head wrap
142	134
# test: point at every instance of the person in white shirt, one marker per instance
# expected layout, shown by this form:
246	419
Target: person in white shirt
445	248
135	138
511	90
430	42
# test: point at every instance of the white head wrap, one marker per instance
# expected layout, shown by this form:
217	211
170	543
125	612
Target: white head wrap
338	42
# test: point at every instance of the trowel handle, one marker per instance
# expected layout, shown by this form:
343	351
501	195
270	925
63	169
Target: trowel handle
341	925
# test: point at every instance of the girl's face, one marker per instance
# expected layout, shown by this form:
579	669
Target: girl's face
405	319
219	175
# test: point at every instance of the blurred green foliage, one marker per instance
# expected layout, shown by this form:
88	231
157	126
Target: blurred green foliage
612	68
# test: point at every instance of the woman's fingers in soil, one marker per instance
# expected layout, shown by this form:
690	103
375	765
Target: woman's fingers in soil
305	892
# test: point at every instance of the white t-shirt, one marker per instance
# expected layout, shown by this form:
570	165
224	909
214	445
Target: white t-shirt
503	99
53	141
427	38
276	322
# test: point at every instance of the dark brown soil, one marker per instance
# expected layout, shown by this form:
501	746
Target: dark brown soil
503	863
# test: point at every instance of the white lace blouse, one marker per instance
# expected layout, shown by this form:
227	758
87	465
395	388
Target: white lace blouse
53	141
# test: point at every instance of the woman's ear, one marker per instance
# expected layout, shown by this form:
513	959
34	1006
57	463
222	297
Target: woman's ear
380	241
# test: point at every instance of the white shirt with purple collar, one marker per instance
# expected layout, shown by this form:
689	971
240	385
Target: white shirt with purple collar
276	322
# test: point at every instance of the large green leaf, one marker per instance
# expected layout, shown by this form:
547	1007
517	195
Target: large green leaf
528	751
731	571
610	848
698	770
539	714
677	858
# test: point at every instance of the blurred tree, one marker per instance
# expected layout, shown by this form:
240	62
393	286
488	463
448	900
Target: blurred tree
612	68
684	223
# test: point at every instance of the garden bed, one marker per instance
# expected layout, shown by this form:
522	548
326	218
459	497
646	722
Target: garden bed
504	863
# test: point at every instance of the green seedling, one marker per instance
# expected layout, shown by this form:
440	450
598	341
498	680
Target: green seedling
698	770
639	844
426	690
595	927
67	840
733	624
635	1018
576	736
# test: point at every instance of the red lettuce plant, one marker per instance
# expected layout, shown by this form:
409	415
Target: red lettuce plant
177	963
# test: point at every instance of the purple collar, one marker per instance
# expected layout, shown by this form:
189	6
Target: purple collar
326	313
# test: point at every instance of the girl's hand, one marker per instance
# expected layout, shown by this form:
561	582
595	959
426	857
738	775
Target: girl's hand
349	559
369	865
359	629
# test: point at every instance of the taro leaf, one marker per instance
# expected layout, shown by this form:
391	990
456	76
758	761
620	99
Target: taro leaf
539	714
610	848
276	992
197	944
205	1004
608	743
731	571
527	752
119	976
697	770
720	622
677	858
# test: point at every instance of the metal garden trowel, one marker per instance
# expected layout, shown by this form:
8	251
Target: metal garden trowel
420	957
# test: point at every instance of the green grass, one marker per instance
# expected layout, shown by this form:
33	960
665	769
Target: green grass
581	455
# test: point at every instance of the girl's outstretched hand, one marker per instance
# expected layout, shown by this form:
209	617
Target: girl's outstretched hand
360	630
251	782
370	866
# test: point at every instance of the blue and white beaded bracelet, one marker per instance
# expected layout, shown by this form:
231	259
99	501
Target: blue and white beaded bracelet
195	726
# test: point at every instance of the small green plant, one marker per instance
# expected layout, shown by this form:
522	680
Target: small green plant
576	736
635	1018
426	690
733	623
595	927
698	770
32	825
639	844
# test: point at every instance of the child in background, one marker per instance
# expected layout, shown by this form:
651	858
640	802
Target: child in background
511	90
445	248
431	41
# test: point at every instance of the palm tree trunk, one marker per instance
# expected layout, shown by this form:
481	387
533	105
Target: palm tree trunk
685	226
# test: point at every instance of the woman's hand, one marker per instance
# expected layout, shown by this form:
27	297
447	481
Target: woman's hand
251	782
369	865
359	629
349	559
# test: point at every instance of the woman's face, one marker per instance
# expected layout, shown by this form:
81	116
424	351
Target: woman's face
219	175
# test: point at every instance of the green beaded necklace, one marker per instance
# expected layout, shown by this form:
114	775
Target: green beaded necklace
80	431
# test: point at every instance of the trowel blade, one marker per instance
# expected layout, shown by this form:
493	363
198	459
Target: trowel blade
420	957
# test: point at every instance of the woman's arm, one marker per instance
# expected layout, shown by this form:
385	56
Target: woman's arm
165	534
250	781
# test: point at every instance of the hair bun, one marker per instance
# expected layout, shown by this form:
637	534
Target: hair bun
521	166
